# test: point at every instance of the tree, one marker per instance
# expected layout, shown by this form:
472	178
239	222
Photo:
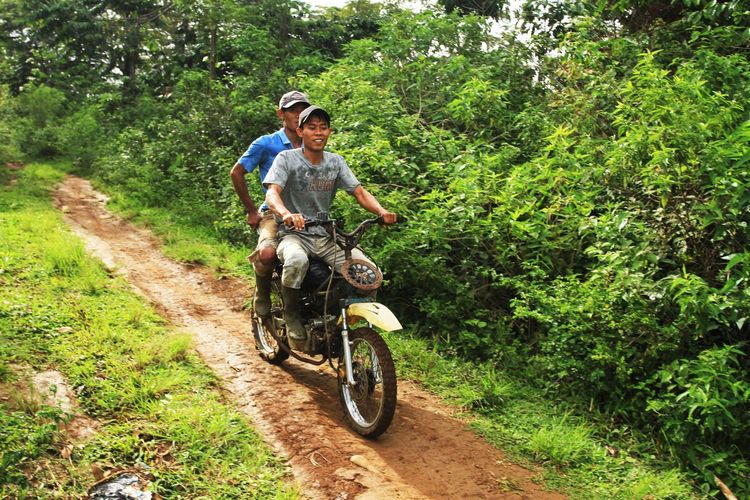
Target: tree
63	43
487	8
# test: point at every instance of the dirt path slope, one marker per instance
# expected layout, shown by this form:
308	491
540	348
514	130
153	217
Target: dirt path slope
424	454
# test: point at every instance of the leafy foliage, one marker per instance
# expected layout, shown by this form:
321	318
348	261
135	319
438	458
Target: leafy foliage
9	139
42	108
703	404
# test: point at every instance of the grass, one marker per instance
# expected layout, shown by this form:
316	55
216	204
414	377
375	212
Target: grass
561	443
578	454
157	405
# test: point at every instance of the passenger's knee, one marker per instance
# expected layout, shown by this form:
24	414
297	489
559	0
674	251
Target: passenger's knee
267	256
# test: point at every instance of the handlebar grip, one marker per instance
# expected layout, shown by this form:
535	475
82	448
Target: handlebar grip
399	220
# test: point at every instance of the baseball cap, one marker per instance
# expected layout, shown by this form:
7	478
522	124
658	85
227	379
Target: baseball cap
291	98
313	110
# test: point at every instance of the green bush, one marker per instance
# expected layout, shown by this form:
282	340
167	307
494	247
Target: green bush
41	110
9	138
82	137
701	407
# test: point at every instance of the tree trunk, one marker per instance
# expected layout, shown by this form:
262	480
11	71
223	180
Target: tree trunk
212	53
132	51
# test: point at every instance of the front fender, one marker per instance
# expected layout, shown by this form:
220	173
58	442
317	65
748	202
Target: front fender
376	314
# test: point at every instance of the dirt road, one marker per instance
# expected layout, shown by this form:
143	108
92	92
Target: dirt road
424	454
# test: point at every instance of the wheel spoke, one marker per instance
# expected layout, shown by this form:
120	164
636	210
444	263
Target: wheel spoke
377	373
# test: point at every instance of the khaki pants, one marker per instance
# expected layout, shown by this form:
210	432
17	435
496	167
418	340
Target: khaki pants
293	250
267	237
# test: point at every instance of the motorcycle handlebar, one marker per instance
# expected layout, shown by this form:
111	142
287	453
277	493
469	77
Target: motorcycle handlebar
351	238
310	222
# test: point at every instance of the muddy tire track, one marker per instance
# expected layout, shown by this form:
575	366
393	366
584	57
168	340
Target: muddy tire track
425	453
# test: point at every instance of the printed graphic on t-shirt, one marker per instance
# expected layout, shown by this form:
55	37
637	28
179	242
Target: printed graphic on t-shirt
321	179
317	184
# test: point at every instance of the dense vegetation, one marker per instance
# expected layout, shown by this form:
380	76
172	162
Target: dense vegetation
577	191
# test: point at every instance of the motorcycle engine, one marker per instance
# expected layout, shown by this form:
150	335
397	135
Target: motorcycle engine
317	274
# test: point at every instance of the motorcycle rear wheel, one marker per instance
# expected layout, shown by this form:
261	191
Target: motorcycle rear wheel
370	403
268	348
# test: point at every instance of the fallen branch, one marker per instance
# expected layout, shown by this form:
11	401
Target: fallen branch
724	489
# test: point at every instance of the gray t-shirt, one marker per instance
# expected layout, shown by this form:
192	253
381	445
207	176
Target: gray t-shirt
306	188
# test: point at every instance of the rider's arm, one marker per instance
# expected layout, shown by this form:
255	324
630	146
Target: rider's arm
370	203
248	162
240	186
275	203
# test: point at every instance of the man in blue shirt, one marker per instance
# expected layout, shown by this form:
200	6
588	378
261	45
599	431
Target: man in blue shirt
260	154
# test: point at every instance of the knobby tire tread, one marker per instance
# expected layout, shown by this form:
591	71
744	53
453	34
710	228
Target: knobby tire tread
279	355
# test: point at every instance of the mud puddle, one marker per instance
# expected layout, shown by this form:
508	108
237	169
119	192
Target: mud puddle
424	454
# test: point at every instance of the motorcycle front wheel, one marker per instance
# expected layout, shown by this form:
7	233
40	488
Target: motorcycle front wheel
268	347
370	403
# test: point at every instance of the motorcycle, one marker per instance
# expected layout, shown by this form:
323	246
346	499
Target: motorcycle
332	305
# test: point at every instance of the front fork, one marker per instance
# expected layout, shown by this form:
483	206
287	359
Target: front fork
347	349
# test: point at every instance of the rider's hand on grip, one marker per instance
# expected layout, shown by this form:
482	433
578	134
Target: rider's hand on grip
388	218
294	220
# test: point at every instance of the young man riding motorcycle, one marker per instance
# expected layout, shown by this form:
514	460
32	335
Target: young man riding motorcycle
260	154
300	184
